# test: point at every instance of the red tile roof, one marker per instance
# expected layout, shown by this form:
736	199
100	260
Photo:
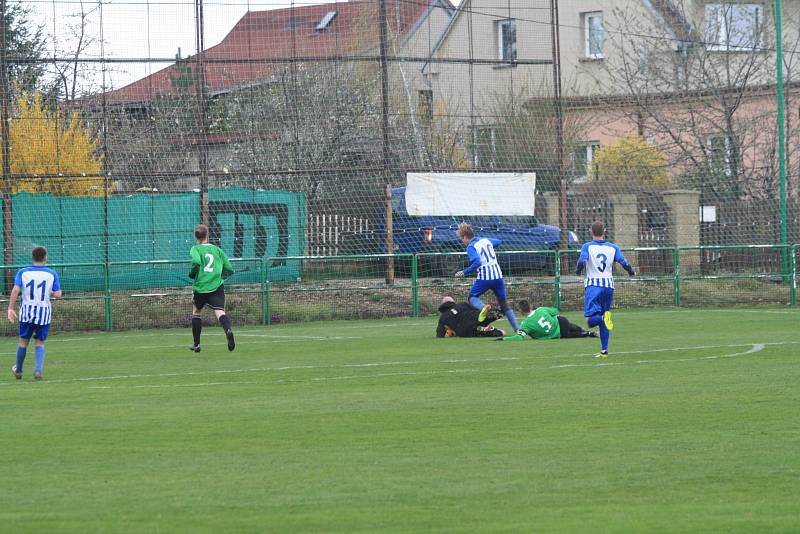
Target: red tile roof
260	36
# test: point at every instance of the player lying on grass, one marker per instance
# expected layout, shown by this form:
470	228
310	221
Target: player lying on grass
210	266
462	320
545	323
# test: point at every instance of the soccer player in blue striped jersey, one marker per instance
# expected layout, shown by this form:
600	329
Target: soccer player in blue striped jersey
35	285
598	257
483	260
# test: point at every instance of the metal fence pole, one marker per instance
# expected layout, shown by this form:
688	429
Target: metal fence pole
557	280
264	292
676	266
107	301
8	237
414	286
781	137
793	276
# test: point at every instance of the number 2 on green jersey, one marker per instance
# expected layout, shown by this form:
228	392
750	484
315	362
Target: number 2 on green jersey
209	266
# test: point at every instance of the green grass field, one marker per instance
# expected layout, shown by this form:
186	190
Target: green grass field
692	424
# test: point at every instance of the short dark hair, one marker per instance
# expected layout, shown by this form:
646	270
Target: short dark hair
39	254
523	306
201	232
598	229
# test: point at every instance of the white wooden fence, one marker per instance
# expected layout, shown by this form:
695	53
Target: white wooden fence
334	235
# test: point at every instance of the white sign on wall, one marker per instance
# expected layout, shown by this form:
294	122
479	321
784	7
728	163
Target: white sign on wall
470	193
708	214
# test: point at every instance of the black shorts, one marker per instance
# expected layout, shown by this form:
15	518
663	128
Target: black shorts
568	329
214	300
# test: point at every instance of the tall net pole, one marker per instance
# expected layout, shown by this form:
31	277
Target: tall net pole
6	148
384	47
781	134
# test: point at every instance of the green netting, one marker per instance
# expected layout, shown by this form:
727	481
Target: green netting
260	224
147	228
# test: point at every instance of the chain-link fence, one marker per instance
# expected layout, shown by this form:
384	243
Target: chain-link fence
289	128
148	294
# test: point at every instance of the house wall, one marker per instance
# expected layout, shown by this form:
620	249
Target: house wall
757	136
470	90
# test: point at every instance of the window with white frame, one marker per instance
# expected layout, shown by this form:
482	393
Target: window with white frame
718	148
485	149
594	35
733	27
582	159
425	105
507	40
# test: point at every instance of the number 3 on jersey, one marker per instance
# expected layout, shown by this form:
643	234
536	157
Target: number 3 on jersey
602	259
209	268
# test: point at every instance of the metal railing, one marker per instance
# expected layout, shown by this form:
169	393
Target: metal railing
356	286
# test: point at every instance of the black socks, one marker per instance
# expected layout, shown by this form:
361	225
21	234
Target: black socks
197	327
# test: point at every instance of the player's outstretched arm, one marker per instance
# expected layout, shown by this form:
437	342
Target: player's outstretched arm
196	263
56	293
440	330
620	258
519	336
474	259
582	259
12	305
227	267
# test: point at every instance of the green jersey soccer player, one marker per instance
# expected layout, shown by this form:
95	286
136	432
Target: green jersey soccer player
545	323
210	266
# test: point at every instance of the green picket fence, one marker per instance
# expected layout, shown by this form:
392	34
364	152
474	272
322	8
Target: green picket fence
148	294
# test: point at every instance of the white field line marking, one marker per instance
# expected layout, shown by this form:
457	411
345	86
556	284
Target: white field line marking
757	347
229	371
409	322
300	380
185	346
633	312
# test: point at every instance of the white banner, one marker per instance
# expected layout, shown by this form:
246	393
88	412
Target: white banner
470	193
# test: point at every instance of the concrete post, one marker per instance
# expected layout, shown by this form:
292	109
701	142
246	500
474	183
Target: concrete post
547	208
625	220
684	225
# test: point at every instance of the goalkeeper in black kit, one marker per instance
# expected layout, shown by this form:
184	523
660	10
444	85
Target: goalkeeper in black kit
460	319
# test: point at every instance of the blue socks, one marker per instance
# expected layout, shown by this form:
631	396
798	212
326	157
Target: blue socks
509	313
476	303
597	320
604	335
39	354
21	351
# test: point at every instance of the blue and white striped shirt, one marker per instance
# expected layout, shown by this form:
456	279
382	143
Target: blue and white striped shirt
480	252
598	257
36	283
